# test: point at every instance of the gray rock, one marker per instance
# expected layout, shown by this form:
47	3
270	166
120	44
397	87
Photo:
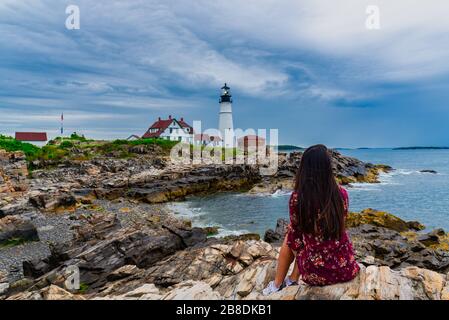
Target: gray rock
3	288
429	171
278	235
16	228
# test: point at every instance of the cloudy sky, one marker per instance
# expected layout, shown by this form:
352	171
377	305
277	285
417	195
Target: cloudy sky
309	68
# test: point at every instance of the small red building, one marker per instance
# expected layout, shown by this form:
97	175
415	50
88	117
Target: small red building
36	138
251	142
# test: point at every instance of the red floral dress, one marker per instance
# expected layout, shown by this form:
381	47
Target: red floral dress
321	262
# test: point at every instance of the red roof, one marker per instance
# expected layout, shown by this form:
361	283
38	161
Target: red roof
161	125
184	124
31	136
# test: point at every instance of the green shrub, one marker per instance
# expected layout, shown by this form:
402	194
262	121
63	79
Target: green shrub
83	288
165	144
66	145
12	242
11	145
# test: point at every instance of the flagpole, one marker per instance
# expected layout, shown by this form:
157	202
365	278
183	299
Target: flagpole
62	127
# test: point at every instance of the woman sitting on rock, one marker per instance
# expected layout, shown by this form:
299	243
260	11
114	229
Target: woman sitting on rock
316	236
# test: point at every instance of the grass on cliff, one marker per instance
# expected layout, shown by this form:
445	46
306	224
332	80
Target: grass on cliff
164	144
10	144
211	152
12	243
76	147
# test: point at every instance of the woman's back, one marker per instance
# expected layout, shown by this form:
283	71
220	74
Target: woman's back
320	261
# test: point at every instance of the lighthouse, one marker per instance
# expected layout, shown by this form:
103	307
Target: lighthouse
226	125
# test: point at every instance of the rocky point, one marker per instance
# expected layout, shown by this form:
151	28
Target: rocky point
105	216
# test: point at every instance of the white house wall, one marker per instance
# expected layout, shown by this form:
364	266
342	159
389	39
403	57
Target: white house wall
177	133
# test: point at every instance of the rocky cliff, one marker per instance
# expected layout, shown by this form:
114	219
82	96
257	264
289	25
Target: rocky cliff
347	170
144	252
106	218
13	173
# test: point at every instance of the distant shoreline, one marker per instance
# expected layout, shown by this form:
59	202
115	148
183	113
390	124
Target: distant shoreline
421	148
288	147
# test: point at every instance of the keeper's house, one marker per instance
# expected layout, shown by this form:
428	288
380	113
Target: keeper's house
37	138
170	129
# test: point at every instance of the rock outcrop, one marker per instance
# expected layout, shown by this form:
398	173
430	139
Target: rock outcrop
13	172
156	256
17	229
347	170
240	271
13	182
381	239
146	177
102	218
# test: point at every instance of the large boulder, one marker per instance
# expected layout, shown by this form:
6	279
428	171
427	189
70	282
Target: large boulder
278	234
375	283
110	246
381	239
380	246
213	263
240	271
15	229
380	219
13	172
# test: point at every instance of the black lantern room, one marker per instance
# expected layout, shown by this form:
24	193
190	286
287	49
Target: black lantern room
225	94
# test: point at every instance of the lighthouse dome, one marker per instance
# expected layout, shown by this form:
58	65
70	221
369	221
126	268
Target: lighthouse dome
225	94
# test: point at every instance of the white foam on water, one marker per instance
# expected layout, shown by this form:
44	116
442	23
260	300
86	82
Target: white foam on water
182	210
384	179
277	194
364	187
223	232
401	172
280	193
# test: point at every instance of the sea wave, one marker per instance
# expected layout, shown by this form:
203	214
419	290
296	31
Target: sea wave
386	178
365	187
196	216
182	209
277	194
223	232
281	193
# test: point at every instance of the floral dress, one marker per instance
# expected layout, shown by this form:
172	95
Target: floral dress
321	262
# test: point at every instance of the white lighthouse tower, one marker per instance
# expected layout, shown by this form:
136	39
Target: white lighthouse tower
226	124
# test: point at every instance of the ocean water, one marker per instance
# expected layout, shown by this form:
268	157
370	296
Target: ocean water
405	192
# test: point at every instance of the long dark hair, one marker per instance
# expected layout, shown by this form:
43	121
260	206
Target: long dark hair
320	204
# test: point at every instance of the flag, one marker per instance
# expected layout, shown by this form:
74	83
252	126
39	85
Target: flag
62	123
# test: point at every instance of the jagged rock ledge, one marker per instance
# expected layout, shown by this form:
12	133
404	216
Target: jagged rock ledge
149	178
101	216
134	255
347	170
